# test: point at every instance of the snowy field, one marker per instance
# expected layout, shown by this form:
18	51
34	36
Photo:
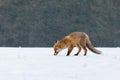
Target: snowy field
41	64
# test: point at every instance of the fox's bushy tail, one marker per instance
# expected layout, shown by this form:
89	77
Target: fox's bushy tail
91	47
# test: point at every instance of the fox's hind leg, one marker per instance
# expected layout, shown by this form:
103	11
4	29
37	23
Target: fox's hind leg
79	47
83	44
85	50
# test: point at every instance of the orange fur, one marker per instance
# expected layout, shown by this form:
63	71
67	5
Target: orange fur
79	39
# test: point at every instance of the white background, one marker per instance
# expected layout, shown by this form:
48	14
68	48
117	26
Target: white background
41	64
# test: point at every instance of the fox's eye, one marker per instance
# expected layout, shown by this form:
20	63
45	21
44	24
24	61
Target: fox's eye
57	47
56	41
60	47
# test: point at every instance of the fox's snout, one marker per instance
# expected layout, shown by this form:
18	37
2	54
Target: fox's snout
55	53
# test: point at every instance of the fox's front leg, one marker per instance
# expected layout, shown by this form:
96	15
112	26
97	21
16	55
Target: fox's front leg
69	50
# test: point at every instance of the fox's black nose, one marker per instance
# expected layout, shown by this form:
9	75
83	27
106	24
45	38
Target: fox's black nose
54	53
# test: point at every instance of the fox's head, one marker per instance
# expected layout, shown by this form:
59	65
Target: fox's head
57	47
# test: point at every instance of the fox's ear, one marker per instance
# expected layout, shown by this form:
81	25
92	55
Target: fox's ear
57	41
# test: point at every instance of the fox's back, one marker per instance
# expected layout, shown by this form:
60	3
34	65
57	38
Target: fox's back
78	35
74	38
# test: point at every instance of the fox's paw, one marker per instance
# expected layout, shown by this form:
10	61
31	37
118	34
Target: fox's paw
75	54
67	55
84	54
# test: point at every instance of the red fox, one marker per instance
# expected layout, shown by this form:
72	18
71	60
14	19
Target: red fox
79	39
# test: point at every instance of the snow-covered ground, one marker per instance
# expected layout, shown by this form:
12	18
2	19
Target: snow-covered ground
41	64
